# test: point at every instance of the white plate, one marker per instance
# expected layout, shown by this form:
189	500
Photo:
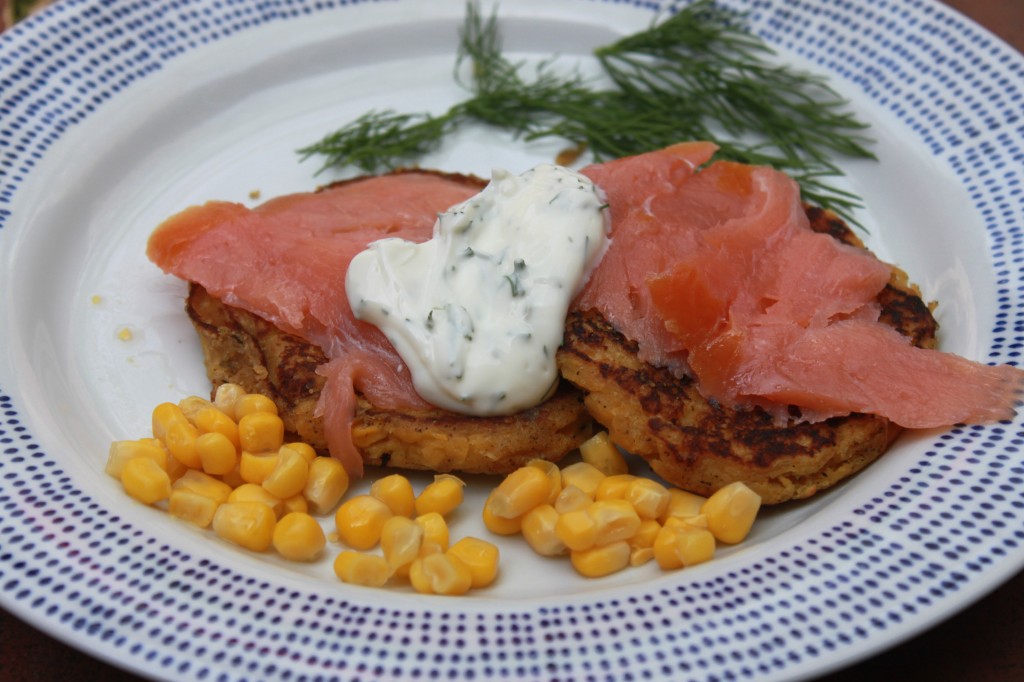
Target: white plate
115	115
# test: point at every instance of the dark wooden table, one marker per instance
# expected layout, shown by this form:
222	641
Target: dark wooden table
984	643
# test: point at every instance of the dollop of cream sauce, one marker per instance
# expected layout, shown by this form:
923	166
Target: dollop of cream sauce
478	311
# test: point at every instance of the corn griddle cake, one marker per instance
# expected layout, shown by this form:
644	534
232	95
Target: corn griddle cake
242	348
700	446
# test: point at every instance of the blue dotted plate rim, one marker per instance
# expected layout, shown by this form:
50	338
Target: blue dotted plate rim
933	541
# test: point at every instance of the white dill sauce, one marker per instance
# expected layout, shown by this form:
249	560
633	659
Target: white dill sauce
478	311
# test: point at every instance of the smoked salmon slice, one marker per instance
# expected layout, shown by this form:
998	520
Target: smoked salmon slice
286	260
763	310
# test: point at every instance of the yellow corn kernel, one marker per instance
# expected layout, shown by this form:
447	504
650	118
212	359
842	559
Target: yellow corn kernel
539	531
174	468
304	449
584	476
646	534
443	495
554	476
288	478
261	432
296	503
396	492
649	498
191	406
480	556
180	439
163	416
577	530
192	507
121	451
614	521
217	454
197	482
357	568
359	521
326	484
639	556
614	487
400	541
247	524
225	397
440	574
731	511
253	403
665	548
254	468
298	537
145	480
682	504
698	521
212	420
435	530
694	545
497	524
250	492
601	560
570	499
601	453
519	492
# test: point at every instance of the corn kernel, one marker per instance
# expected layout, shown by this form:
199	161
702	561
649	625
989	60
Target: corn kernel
649	498
180	439
614	487
121	451
577	530
570	499
639	556
497	524
602	560
261	432
357	568
247	524
326	484
289	475
614	520
304	449
225	398
359	521
144	480
250	492
584	476
435	530
295	503
298	537
163	416
212	420
191	406
682	504
519	492
253	403
539	531
601	453
197	482
646	534
254	468
400	541
217	454
443	495
554	476
440	574
192	507
694	545
731	511
480	556
665	548
396	492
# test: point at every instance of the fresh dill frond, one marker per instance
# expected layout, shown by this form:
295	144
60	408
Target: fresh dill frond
697	74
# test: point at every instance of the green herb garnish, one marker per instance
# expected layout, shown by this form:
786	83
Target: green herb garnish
698	74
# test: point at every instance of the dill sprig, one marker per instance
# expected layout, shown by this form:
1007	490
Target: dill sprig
697	74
